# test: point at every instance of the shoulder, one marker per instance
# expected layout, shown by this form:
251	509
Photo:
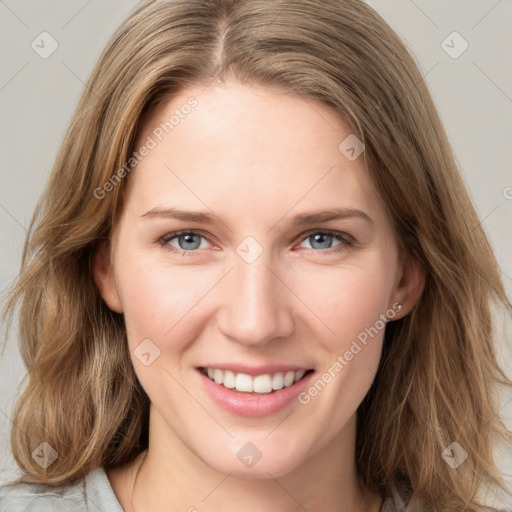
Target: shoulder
398	500
393	503
25	496
90	494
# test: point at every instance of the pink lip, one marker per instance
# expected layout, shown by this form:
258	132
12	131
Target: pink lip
253	404
257	370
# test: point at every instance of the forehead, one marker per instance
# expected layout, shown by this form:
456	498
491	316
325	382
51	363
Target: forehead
241	145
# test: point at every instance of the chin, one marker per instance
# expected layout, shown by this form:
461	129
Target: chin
256	460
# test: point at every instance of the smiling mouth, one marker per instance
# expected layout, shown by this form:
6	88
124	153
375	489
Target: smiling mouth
261	384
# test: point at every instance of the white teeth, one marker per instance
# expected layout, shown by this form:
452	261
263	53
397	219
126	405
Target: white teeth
243	382
262	384
217	376
229	379
299	375
277	381
288	378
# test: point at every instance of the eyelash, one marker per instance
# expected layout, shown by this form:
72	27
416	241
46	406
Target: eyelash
345	239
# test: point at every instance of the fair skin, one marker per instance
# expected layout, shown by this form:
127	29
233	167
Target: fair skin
256	157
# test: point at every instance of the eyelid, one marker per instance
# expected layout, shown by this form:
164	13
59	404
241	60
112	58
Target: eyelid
345	238
175	234
341	234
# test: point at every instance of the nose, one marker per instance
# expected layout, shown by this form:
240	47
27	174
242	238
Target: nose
256	305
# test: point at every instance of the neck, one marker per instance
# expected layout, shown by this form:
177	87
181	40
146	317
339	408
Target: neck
171	477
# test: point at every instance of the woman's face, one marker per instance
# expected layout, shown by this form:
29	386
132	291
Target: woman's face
270	281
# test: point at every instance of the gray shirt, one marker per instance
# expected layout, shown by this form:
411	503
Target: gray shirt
90	494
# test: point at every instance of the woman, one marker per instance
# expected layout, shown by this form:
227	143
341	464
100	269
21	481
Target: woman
185	349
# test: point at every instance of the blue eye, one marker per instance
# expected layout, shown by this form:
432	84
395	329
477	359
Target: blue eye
188	242
322	241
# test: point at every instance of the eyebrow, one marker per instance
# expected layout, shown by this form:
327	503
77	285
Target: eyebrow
302	219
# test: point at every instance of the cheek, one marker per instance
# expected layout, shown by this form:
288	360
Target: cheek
347	299
351	303
157	299
163	314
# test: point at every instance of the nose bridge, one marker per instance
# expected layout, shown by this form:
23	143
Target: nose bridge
255	309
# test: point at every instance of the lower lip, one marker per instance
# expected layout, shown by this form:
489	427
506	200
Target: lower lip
244	404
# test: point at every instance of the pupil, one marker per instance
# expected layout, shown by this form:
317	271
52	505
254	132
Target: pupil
189	239
323	240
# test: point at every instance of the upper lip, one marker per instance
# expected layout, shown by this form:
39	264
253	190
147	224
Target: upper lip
257	370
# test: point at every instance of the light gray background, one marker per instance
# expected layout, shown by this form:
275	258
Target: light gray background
473	94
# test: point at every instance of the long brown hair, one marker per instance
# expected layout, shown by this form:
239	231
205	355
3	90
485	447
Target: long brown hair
438	378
